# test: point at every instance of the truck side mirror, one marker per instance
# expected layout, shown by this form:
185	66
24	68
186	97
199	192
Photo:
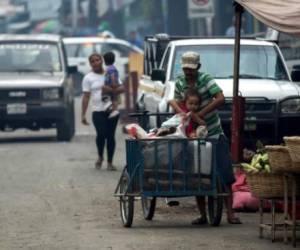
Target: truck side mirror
72	69
158	75
296	73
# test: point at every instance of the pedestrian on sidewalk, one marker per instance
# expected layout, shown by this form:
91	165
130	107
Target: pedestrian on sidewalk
212	97
93	86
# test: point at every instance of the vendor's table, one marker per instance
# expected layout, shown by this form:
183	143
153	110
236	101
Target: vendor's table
290	222
272	226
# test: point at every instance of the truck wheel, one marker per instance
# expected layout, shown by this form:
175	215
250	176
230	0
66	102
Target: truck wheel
66	127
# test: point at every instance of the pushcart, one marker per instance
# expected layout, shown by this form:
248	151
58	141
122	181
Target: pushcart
165	168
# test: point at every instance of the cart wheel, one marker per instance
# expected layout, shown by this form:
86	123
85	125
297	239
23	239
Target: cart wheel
148	205
215	207
126	202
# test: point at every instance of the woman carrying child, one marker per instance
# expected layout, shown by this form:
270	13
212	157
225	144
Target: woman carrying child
93	86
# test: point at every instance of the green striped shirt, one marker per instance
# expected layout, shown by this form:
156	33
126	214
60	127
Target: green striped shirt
207	88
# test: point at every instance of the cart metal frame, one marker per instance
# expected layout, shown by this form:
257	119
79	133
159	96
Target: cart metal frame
133	184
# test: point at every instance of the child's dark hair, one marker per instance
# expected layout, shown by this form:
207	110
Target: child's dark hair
192	92
109	58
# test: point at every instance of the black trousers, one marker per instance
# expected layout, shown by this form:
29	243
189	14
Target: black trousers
105	129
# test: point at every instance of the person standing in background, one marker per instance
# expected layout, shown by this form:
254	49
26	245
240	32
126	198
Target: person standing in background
134	39
230	31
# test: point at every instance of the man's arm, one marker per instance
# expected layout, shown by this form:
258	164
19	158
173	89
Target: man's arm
177	96
197	119
174	104
84	106
178	110
217	101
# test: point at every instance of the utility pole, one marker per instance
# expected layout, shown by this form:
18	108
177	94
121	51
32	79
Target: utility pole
164	8
178	23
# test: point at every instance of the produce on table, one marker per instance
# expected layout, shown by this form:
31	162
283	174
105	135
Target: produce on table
259	163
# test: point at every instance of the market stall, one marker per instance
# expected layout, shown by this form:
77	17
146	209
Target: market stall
281	15
282	180
274	176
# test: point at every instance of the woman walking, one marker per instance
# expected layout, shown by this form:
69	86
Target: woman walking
93	86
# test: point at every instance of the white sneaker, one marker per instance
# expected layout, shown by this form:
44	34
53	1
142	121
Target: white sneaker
114	113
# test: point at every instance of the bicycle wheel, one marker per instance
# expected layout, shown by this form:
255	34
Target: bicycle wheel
215	207
126	202
148	205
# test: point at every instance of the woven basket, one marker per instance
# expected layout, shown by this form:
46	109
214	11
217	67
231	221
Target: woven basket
293	144
279	158
269	185
266	185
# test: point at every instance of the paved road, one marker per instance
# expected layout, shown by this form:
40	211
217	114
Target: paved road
52	198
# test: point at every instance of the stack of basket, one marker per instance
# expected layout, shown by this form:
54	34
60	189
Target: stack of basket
282	159
293	144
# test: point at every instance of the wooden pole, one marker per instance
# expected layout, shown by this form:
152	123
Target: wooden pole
238	102
237	40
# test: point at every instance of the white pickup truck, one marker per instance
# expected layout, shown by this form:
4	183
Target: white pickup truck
272	98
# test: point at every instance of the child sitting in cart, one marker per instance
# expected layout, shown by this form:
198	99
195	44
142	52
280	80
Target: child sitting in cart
186	124
195	127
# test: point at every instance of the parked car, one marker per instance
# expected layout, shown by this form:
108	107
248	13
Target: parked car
272	99
80	48
36	90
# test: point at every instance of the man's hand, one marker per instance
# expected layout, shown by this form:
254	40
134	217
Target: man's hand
201	115
198	118
84	121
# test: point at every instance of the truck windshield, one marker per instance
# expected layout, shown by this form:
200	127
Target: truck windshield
29	57
256	62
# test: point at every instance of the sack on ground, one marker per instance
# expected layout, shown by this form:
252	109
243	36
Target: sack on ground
244	201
